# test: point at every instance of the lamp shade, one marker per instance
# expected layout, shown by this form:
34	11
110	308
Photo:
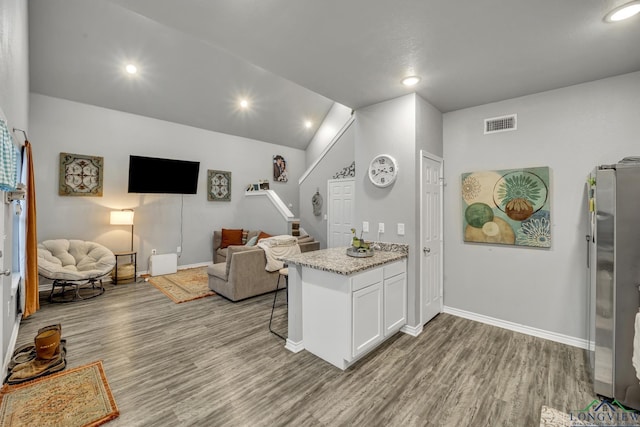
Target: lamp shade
121	217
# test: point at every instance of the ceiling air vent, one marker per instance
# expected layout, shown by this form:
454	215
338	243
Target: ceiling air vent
501	124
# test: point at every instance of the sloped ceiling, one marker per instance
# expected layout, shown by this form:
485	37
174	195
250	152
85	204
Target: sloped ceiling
293	58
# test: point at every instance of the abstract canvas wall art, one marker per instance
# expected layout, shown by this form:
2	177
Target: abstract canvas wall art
80	175
510	207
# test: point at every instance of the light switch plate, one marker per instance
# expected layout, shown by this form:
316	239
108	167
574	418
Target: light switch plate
400	229
365	226
381	227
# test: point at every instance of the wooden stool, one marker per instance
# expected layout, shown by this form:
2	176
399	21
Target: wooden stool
283	272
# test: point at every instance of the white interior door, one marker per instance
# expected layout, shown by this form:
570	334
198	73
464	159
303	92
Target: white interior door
341	212
431	292
7	304
5	284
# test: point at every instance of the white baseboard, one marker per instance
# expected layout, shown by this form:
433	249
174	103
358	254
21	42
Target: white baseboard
182	267
12	345
540	333
295	347
196	265
414	331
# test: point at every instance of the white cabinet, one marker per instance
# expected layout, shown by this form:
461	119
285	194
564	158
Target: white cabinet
367	318
345	317
395	303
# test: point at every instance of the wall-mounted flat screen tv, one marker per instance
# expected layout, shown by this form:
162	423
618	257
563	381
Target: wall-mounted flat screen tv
155	175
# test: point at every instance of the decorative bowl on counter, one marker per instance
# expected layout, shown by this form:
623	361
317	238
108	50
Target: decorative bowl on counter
359	252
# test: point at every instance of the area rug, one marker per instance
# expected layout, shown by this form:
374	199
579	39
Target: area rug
77	397
550	417
185	285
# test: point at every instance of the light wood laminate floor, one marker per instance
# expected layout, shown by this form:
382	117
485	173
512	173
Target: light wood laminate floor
211	362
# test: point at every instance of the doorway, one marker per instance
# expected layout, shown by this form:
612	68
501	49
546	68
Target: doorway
431	242
341	212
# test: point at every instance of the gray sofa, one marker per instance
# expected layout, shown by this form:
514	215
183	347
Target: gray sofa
238	271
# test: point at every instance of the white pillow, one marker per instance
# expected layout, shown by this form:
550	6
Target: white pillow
252	241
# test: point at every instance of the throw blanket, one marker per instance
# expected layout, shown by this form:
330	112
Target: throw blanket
8	160
277	247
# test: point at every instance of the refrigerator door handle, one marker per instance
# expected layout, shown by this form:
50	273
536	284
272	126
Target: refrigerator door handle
588	237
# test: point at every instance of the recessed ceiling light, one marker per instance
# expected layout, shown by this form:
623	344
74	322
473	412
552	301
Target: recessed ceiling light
623	12
131	69
244	103
308	124
410	81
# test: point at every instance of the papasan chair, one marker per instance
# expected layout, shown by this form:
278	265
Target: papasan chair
75	264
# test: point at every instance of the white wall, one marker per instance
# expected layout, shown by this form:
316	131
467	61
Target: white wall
428	128
391	127
259	213
337	158
332	123
14	63
388	127
63	126
571	130
429	139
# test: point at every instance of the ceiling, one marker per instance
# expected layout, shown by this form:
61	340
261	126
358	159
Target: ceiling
293	58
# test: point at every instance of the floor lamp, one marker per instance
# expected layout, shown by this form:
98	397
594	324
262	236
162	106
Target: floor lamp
123	217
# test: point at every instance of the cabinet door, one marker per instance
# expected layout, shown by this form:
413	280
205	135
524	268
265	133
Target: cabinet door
367	318
395	303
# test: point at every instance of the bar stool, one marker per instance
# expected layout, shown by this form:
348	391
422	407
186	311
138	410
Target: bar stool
283	272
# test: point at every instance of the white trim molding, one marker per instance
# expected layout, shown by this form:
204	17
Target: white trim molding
276	201
196	265
414	331
295	347
12	345
335	139
516	327
180	267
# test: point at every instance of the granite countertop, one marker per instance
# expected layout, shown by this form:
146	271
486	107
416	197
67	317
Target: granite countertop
336	260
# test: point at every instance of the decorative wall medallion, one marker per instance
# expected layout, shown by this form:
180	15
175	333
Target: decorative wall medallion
347	172
316	202
218	186
509	207
80	175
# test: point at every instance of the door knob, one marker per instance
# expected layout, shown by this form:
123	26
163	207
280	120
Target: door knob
7	272
426	250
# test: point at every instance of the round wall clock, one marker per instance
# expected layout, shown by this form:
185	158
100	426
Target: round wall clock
383	170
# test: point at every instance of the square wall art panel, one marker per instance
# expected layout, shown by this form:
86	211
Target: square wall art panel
509	207
218	185
80	175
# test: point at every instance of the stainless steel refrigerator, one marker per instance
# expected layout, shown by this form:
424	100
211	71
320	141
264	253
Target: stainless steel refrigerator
614	274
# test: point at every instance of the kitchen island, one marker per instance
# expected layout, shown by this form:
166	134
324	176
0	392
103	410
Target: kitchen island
342	307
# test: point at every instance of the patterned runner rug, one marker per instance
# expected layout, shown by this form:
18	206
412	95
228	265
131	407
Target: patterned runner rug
185	285
77	397
550	417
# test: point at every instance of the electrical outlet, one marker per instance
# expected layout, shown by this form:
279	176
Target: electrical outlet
381	227
365	226
179	249
153	251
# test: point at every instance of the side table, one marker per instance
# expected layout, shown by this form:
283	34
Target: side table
133	258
